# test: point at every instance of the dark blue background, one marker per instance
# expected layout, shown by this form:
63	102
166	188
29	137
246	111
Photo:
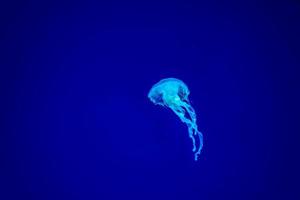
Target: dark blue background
77	124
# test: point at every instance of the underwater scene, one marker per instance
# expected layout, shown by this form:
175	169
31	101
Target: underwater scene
181	100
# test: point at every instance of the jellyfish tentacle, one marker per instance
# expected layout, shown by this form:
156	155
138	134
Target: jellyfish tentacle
194	128
190	110
179	111
200	144
193	138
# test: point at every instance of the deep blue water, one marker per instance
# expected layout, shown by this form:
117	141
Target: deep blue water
77	123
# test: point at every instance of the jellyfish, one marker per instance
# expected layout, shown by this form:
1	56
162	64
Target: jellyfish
173	93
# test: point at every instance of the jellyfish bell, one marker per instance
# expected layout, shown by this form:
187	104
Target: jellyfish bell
173	93
168	91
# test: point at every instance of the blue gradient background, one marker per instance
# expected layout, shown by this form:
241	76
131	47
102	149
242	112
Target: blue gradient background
77	124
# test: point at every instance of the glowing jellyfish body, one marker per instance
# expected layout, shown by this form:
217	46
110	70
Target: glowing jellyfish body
173	93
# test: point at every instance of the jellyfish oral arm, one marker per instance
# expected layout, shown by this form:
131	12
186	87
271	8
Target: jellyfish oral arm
192	129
